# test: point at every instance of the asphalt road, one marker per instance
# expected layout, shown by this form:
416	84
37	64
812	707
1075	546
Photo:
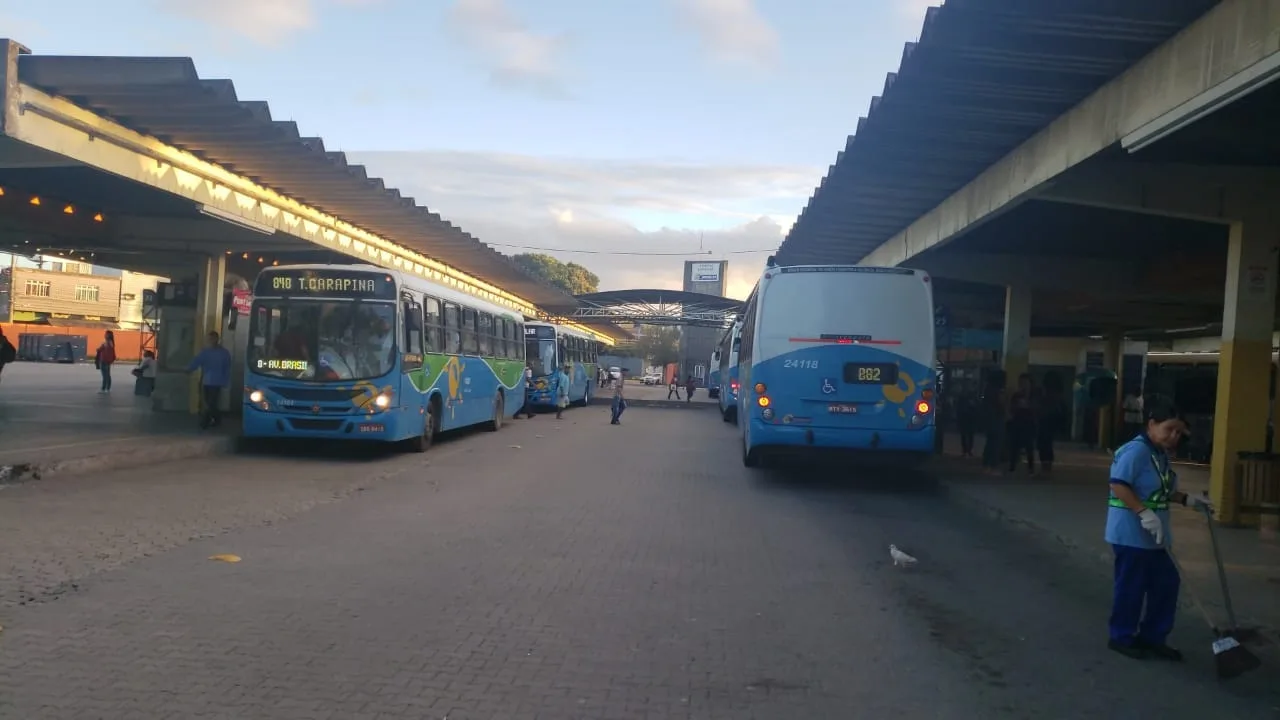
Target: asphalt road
555	570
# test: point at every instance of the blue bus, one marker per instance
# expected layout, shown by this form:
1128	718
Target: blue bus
838	357
548	346
728	373
713	375
361	352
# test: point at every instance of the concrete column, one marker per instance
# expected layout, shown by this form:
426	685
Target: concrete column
1240	417
213	273
1113	360
1016	350
9	52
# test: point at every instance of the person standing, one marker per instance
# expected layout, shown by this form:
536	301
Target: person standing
214	364
1022	424
104	358
8	353
1143	484
562	390
994	411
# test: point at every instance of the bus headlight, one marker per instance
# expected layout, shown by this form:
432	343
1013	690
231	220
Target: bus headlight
255	397
382	402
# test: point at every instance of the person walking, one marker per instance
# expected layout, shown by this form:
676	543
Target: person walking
1143	484
104	358
527	408
619	404
689	386
214	364
562	390
966	422
673	388
993	420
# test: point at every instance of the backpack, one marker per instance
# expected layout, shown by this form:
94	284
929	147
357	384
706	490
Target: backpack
8	353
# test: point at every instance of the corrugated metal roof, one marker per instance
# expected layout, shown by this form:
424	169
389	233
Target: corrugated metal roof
985	76
167	99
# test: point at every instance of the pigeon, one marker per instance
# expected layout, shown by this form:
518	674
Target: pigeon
901	558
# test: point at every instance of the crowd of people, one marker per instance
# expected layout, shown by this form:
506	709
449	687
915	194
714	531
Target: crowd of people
1016	425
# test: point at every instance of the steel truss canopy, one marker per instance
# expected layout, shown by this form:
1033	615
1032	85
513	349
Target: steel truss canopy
657	307
166	99
984	77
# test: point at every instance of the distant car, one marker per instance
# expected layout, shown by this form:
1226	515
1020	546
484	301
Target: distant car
652	379
615	373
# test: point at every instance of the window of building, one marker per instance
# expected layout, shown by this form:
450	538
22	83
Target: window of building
37	288
87	293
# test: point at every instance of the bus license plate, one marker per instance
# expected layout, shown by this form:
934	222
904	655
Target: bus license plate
842	408
370	428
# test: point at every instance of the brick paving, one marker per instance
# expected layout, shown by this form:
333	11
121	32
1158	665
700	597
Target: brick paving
566	570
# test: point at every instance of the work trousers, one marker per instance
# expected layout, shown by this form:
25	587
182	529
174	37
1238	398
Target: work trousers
1148	576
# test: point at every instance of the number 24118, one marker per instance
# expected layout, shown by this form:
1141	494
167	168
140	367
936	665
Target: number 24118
801	364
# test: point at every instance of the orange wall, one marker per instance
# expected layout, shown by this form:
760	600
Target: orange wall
128	342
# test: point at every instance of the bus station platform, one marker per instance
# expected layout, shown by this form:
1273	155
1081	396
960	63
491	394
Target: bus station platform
1069	506
54	420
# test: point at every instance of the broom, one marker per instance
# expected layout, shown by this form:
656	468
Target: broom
1229	657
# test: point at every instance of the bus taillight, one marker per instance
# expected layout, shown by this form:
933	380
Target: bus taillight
922	408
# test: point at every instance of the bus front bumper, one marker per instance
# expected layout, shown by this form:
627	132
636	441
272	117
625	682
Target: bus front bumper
388	425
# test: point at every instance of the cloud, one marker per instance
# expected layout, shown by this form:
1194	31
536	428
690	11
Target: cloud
688	211
513	53
733	32
913	11
269	23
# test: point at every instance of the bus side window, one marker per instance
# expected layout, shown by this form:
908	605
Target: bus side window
434	339
412	356
470	342
518	331
508	347
484	332
452	329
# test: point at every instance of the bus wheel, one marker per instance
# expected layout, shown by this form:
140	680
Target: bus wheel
421	443
496	423
750	457
726	415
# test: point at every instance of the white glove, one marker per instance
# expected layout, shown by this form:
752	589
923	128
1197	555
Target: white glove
1151	523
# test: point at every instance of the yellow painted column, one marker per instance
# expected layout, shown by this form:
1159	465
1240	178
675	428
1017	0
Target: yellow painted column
1240	416
1015	355
213	273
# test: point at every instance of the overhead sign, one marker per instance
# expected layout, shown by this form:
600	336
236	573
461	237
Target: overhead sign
345	284
704	271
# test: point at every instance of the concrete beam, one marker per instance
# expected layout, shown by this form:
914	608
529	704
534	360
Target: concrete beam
1231	39
1204	193
1036	272
211	234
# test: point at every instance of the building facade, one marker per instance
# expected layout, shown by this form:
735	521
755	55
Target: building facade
63	295
697	343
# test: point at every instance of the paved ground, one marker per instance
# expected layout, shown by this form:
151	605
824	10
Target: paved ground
556	570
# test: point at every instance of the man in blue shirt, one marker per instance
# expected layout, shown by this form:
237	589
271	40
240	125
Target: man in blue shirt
1142	486
214	364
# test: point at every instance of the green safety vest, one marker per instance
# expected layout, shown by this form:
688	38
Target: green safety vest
1157	500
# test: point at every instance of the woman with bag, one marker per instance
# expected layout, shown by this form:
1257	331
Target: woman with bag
104	358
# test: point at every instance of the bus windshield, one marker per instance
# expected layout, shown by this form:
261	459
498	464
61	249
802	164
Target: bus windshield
322	341
541	356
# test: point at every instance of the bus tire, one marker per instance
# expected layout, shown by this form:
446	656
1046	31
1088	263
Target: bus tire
430	425
751	456
728	414
495	424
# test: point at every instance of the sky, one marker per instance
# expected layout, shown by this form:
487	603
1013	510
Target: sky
683	129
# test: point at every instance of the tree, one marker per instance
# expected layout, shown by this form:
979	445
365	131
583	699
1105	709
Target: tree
570	277
659	345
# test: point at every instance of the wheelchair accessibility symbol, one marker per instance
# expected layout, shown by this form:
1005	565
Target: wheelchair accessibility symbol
828	386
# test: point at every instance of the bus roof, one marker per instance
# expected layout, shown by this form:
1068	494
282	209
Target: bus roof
408	280
561	329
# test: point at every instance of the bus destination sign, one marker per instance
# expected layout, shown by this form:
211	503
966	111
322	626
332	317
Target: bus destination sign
325	283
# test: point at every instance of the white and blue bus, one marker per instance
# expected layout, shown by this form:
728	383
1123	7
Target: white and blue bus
361	352
549	346
713	375
729	346
838	357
